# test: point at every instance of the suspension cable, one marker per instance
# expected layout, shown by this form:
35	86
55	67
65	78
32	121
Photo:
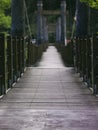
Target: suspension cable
28	22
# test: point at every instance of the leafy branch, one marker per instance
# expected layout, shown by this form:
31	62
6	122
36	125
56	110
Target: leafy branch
91	3
5	18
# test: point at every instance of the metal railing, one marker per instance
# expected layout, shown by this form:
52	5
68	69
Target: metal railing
66	52
12	60
86	60
16	53
35	52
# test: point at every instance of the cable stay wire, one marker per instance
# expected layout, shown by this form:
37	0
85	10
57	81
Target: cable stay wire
28	22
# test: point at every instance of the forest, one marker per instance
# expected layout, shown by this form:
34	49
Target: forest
5	9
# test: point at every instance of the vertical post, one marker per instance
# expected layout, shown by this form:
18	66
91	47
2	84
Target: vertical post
18	18
45	30
47	36
58	30
39	22
63	22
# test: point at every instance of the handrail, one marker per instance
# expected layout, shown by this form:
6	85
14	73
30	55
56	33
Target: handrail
16	53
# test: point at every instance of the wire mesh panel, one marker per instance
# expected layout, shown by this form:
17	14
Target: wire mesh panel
84	58
80	56
77	54
3	63
10	61
95	64
15	52
24	50
19	55
35	52
15	59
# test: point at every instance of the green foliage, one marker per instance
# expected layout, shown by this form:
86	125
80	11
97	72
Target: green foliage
91	3
4	4
5	19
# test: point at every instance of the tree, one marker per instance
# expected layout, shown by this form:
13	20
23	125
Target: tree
91	3
5	18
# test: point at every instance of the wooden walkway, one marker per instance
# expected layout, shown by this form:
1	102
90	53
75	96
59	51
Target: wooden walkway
49	96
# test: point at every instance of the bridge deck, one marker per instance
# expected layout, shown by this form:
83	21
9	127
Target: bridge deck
49	96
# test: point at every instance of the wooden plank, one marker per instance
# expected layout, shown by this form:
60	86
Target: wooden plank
49	96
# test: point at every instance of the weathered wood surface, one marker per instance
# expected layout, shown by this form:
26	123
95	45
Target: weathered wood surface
49	96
